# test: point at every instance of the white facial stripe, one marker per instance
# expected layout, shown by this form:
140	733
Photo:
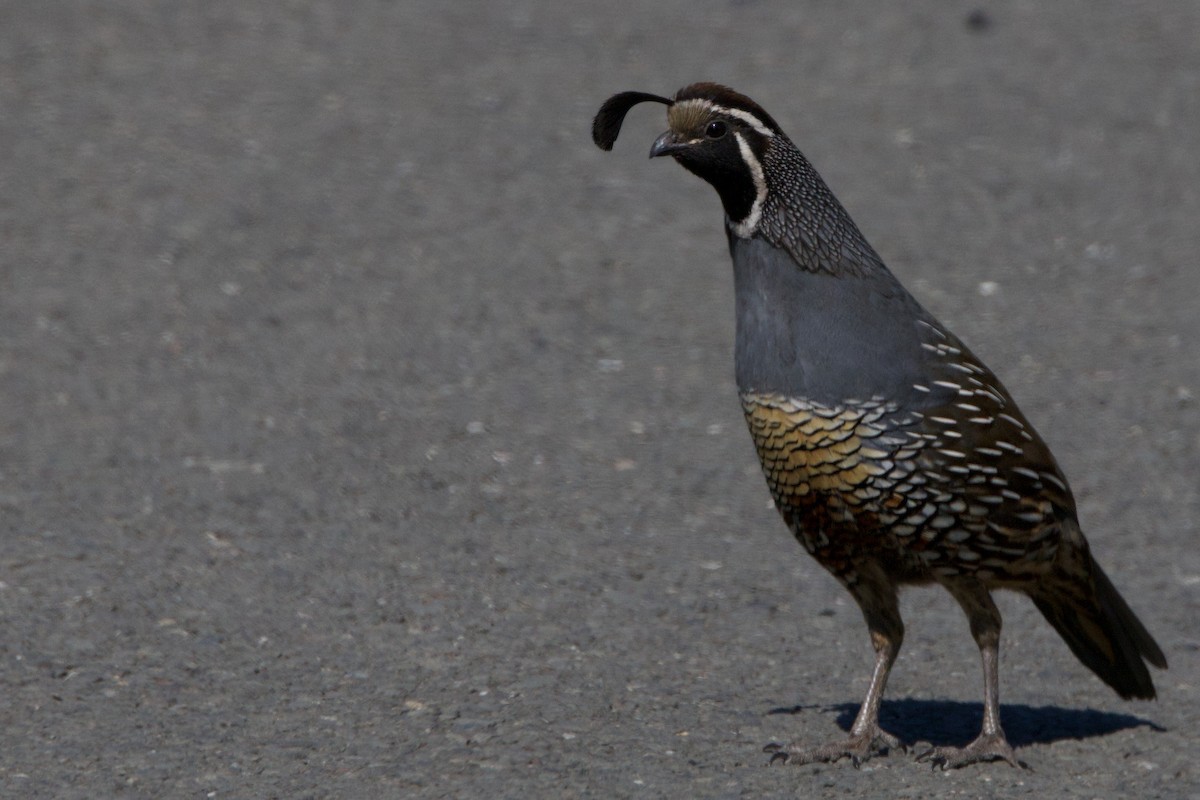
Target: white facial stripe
745	228
746	117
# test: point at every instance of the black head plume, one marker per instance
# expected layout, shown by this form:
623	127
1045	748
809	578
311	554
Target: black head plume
607	123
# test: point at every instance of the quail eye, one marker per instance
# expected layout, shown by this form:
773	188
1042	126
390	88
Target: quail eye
716	129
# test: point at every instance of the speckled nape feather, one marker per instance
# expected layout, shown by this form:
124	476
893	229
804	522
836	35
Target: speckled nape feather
894	455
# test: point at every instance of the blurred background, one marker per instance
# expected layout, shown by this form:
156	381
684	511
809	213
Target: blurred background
366	431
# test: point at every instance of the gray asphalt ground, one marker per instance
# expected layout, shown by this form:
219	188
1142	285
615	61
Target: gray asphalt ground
367	432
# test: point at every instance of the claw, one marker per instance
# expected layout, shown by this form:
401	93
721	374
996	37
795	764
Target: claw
777	751
991	747
859	748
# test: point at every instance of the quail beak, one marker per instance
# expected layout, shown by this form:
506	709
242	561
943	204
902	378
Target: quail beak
666	145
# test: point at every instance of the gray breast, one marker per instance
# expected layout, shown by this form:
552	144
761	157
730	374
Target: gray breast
823	336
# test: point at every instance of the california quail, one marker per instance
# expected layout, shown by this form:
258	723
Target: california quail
893	454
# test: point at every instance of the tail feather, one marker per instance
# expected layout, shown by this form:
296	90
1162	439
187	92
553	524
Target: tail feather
1102	631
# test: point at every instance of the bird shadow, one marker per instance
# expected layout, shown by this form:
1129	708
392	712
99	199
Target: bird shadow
952	722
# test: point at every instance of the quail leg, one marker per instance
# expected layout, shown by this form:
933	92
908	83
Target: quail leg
866	737
991	744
